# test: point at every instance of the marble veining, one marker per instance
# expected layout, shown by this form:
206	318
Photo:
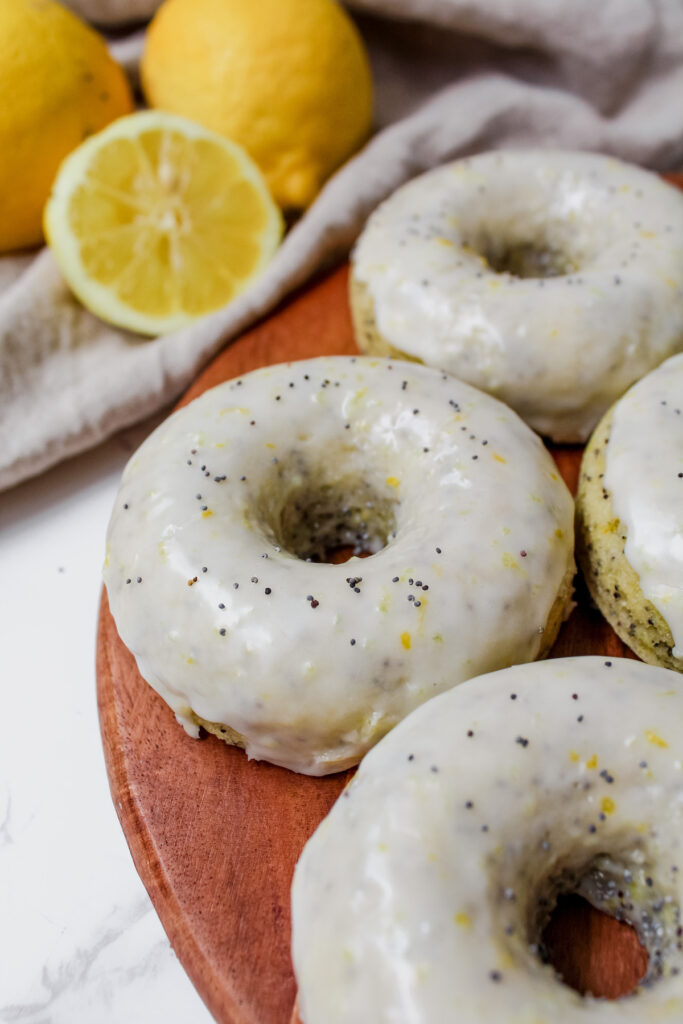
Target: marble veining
80	942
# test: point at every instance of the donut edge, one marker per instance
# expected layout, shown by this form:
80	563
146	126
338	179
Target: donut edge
365	329
612	582
222	731
560	611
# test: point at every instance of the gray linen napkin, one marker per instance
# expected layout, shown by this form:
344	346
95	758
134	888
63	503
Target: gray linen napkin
452	77
113	13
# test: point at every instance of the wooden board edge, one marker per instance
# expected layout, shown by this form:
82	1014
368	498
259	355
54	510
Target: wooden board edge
146	858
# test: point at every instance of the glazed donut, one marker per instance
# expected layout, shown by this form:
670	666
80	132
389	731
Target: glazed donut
552	280
630	516
214	549
423	895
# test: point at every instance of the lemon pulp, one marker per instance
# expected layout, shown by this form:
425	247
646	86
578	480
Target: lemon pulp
156	222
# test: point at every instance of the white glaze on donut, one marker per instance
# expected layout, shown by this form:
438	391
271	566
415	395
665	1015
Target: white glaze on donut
644	473
313	662
558	349
420	897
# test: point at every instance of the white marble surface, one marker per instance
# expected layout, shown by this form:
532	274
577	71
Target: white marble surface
79	939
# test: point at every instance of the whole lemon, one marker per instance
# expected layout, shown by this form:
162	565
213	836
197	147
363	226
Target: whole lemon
289	80
58	85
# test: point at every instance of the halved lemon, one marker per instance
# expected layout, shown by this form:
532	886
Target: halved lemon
156	221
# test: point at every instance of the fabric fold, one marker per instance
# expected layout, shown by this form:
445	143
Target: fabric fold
452	77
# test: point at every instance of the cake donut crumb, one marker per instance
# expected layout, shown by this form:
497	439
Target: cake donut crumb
629	515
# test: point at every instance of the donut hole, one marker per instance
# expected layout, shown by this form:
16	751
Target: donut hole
536	257
607	926
331	521
591	951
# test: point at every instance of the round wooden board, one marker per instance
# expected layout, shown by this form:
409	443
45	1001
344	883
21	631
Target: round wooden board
214	837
